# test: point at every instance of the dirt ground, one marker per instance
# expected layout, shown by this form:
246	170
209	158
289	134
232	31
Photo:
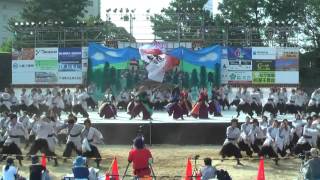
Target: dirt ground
170	160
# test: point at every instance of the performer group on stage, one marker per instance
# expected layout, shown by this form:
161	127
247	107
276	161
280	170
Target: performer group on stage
271	138
35	118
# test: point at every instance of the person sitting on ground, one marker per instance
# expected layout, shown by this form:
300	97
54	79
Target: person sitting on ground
313	165
80	169
140	156
9	171
36	169
208	171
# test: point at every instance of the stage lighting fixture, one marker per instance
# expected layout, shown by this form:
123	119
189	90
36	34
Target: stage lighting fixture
21	24
45	23
56	22
115	10
32	23
39	23
16	24
133	10
121	10
27	23
78	22
148	11
61	22
127	10
108	10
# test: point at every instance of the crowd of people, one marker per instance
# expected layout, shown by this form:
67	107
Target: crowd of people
35	118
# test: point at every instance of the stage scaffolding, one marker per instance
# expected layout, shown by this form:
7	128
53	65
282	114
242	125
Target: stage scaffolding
55	34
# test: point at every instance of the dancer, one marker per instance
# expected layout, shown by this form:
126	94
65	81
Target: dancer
201	109
256	103
237	98
43	130
94	137
245	103
142	105
123	99
245	139
269	147
12	136
80	102
230	147
308	139
291	105
107	109
270	106
74	136
282	99
283	138
185	102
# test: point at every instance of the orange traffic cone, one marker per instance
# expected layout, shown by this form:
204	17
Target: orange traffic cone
44	160
198	176
188	170
114	169
261	170
107	176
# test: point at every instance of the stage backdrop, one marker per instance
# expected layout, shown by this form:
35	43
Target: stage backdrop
49	65
260	65
156	58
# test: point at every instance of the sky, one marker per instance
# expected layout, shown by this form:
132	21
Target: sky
142	29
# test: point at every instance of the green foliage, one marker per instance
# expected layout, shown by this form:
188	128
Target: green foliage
194	78
203	77
210	78
58	10
106	77
182	20
129	81
6	46
185	81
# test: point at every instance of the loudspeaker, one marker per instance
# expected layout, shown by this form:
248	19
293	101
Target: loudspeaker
5	70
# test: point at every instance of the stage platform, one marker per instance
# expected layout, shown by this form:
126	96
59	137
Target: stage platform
165	130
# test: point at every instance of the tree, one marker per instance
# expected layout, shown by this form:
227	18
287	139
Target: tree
186	79
106	76
203	77
6	46
210	78
67	11
194	78
312	23
240	14
182	20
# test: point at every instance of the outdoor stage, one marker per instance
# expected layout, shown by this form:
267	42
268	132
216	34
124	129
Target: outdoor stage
165	130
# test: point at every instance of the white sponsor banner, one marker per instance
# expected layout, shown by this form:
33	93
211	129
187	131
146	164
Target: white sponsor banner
46	53
224	71
291	53
287	77
22	66
265	53
23	78
84	65
70	77
84	52
240	65
244	77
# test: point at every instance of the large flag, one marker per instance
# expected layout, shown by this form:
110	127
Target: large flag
158	62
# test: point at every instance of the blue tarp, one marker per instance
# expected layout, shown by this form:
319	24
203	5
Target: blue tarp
207	57
99	54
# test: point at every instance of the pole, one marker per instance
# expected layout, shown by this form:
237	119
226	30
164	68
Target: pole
125	172
150	132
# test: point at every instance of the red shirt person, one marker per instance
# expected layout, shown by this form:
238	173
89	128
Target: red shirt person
139	156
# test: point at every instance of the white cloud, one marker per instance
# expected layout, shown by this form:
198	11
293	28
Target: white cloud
98	56
209	57
112	54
